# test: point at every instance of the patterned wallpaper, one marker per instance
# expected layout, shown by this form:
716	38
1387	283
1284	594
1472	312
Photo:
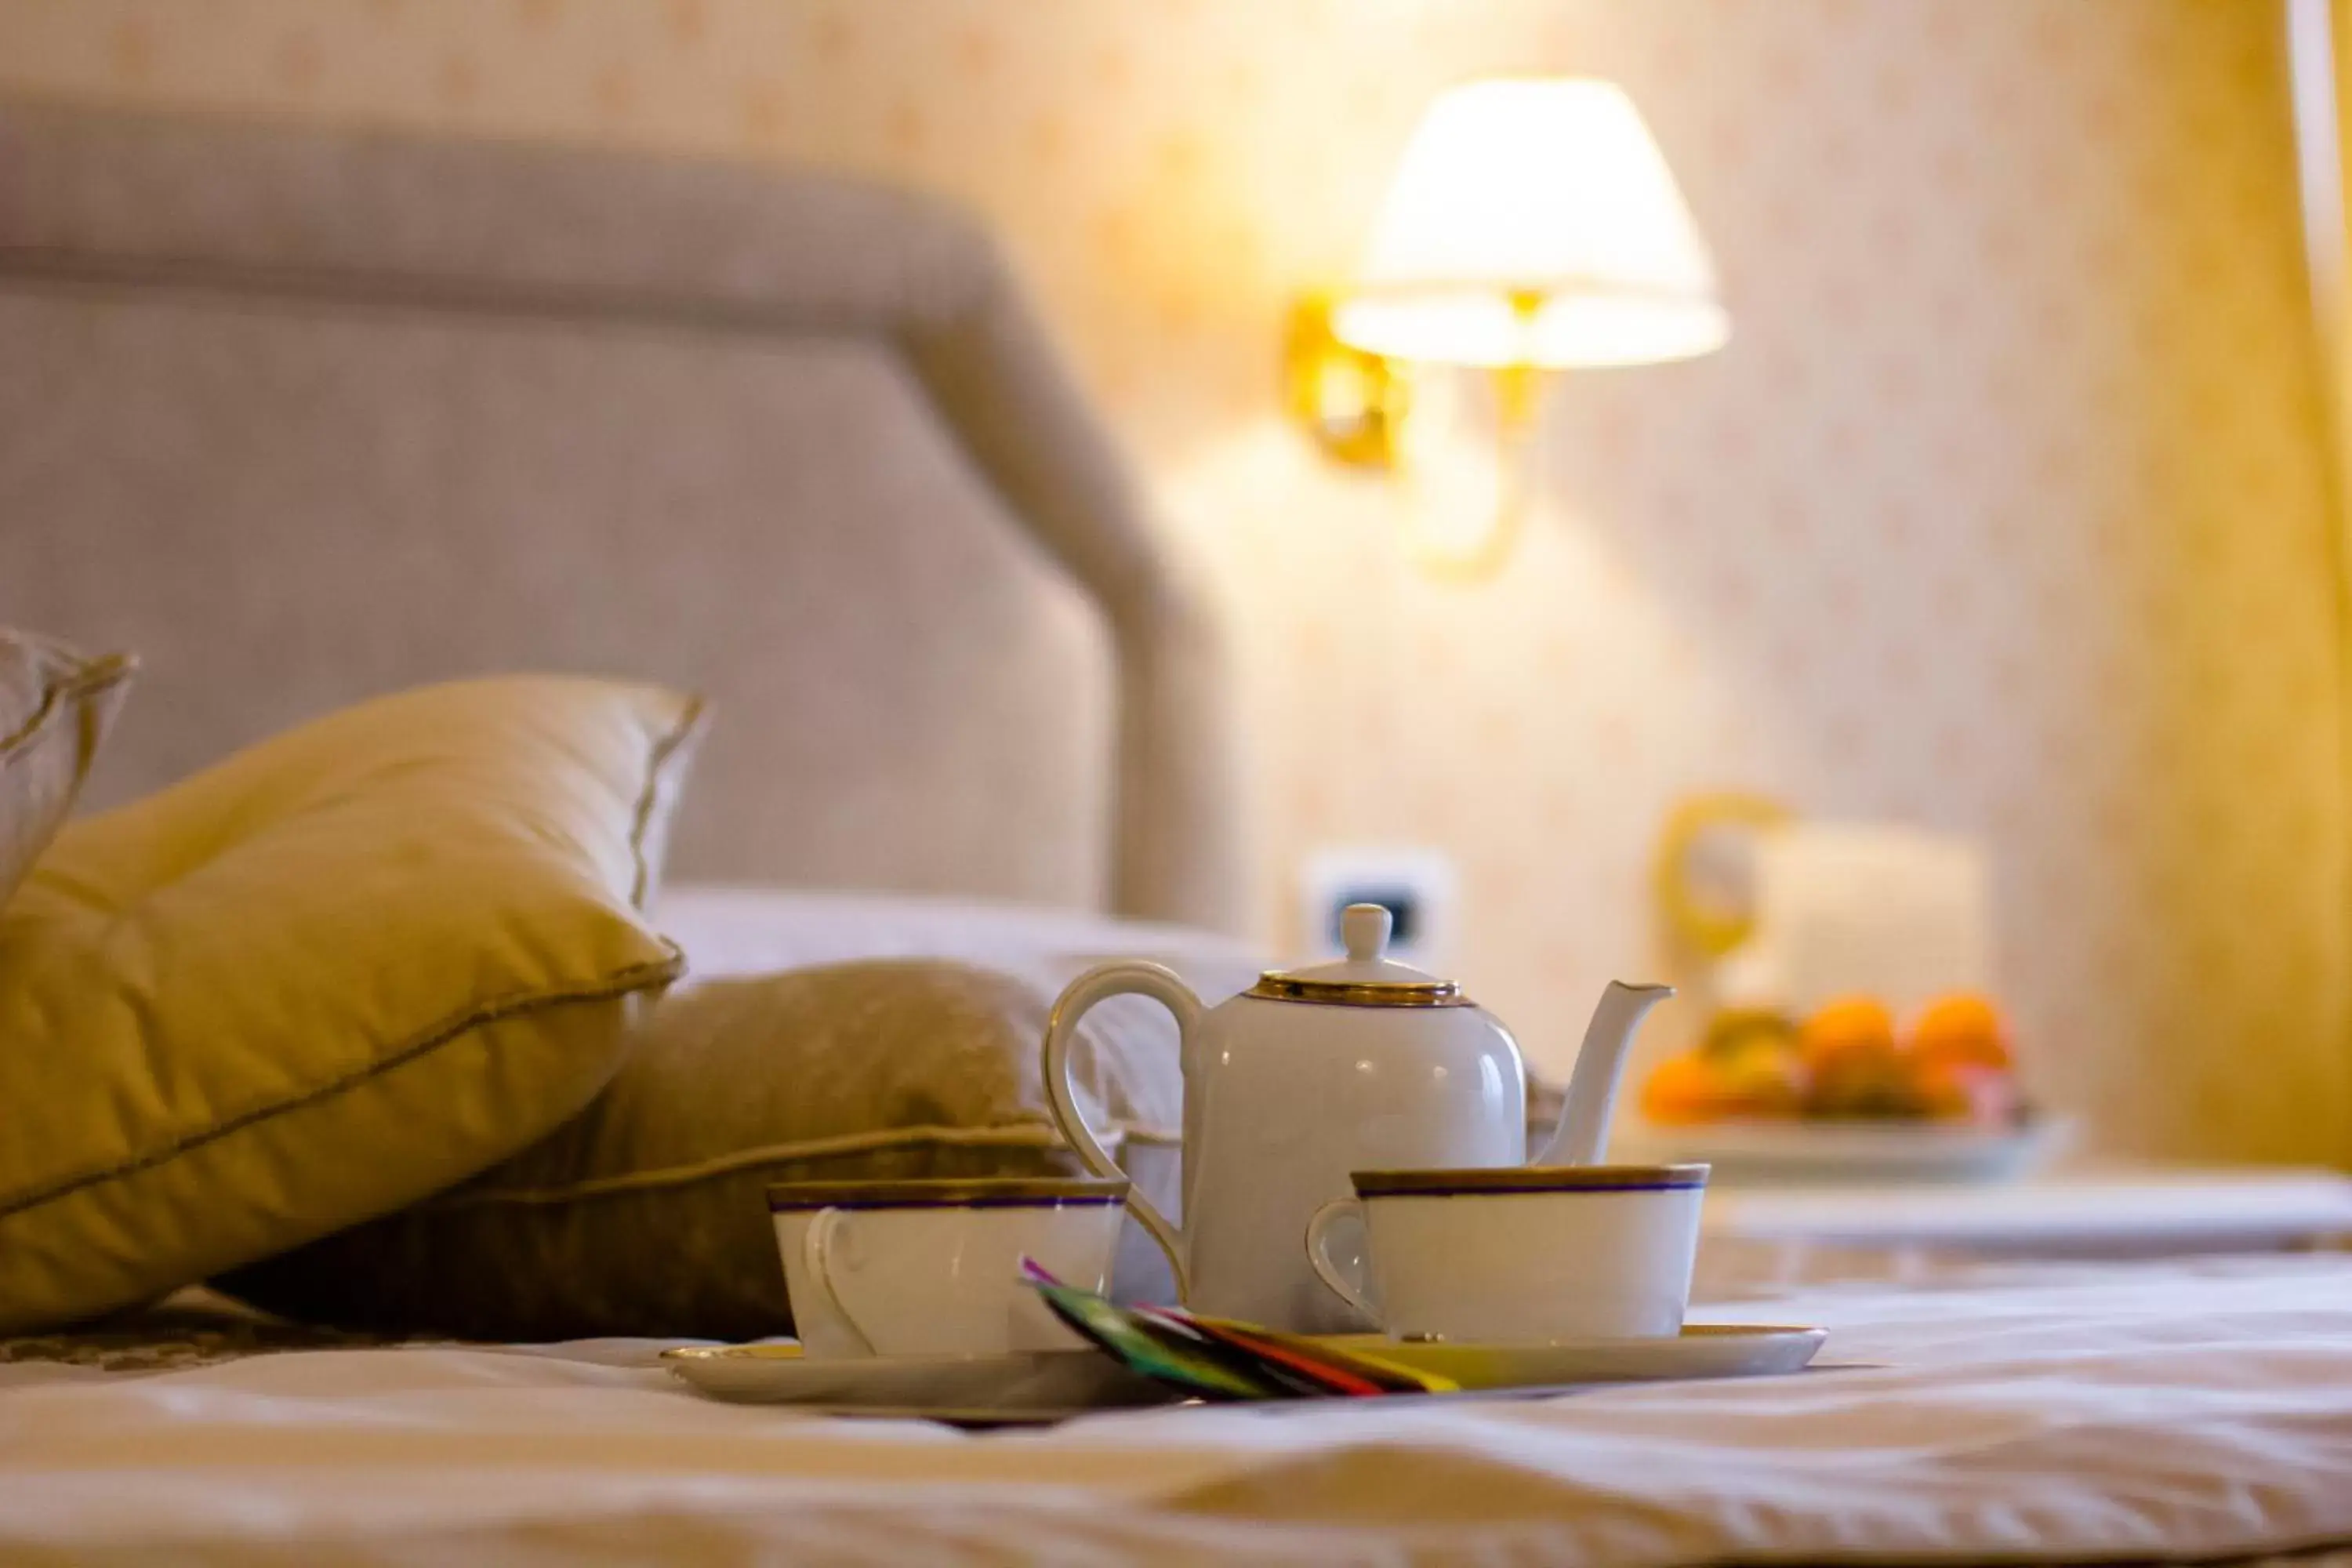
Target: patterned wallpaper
2004	512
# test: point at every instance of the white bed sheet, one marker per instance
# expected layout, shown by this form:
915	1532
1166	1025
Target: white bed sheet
2152	1412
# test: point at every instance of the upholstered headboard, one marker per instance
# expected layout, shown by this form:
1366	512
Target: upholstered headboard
303	416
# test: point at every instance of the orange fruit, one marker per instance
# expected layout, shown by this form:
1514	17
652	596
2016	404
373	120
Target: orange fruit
1943	1090
1962	1030
1683	1089
1955	1091
1849	1029
1705	1085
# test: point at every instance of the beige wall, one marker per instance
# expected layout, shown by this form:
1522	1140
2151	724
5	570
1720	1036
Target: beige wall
2003	511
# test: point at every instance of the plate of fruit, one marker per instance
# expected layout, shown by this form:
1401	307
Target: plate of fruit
1849	1090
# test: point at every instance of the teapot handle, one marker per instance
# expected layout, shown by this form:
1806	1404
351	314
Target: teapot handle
1161	984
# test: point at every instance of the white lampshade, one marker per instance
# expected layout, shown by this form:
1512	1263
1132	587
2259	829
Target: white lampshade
1534	222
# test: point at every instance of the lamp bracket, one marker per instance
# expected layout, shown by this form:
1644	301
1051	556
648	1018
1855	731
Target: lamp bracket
1352	402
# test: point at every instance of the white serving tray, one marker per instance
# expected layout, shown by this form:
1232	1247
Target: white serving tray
1052	1385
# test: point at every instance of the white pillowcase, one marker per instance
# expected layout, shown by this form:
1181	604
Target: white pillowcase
55	707
757	930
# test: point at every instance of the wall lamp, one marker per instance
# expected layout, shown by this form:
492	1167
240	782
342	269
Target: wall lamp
1532	226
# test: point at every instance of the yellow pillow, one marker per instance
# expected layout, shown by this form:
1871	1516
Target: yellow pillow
338	972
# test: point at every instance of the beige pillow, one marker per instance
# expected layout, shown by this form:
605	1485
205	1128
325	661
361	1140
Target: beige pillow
55	707
648	1214
338	972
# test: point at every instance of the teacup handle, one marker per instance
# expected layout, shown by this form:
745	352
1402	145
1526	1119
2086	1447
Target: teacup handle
1163	985
1318	1253
817	1244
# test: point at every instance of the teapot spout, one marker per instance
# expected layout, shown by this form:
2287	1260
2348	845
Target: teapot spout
1584	1130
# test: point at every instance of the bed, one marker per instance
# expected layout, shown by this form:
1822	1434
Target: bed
305	417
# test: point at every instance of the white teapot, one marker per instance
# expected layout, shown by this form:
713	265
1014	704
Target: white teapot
1359	1065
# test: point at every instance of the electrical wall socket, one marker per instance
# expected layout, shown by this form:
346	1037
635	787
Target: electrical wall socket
1418	886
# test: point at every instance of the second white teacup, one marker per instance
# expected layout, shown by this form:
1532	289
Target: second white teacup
933	1267
1514	1255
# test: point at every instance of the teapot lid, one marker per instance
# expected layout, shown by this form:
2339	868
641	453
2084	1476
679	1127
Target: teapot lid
1367	977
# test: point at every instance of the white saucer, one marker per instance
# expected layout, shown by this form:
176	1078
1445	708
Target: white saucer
1701	1349
1047	1383
1050	1385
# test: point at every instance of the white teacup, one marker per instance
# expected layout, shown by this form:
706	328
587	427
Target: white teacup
933	1267
1515	1254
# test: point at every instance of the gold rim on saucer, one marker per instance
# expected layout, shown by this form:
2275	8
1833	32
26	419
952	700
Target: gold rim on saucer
965	1192
1529	1179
